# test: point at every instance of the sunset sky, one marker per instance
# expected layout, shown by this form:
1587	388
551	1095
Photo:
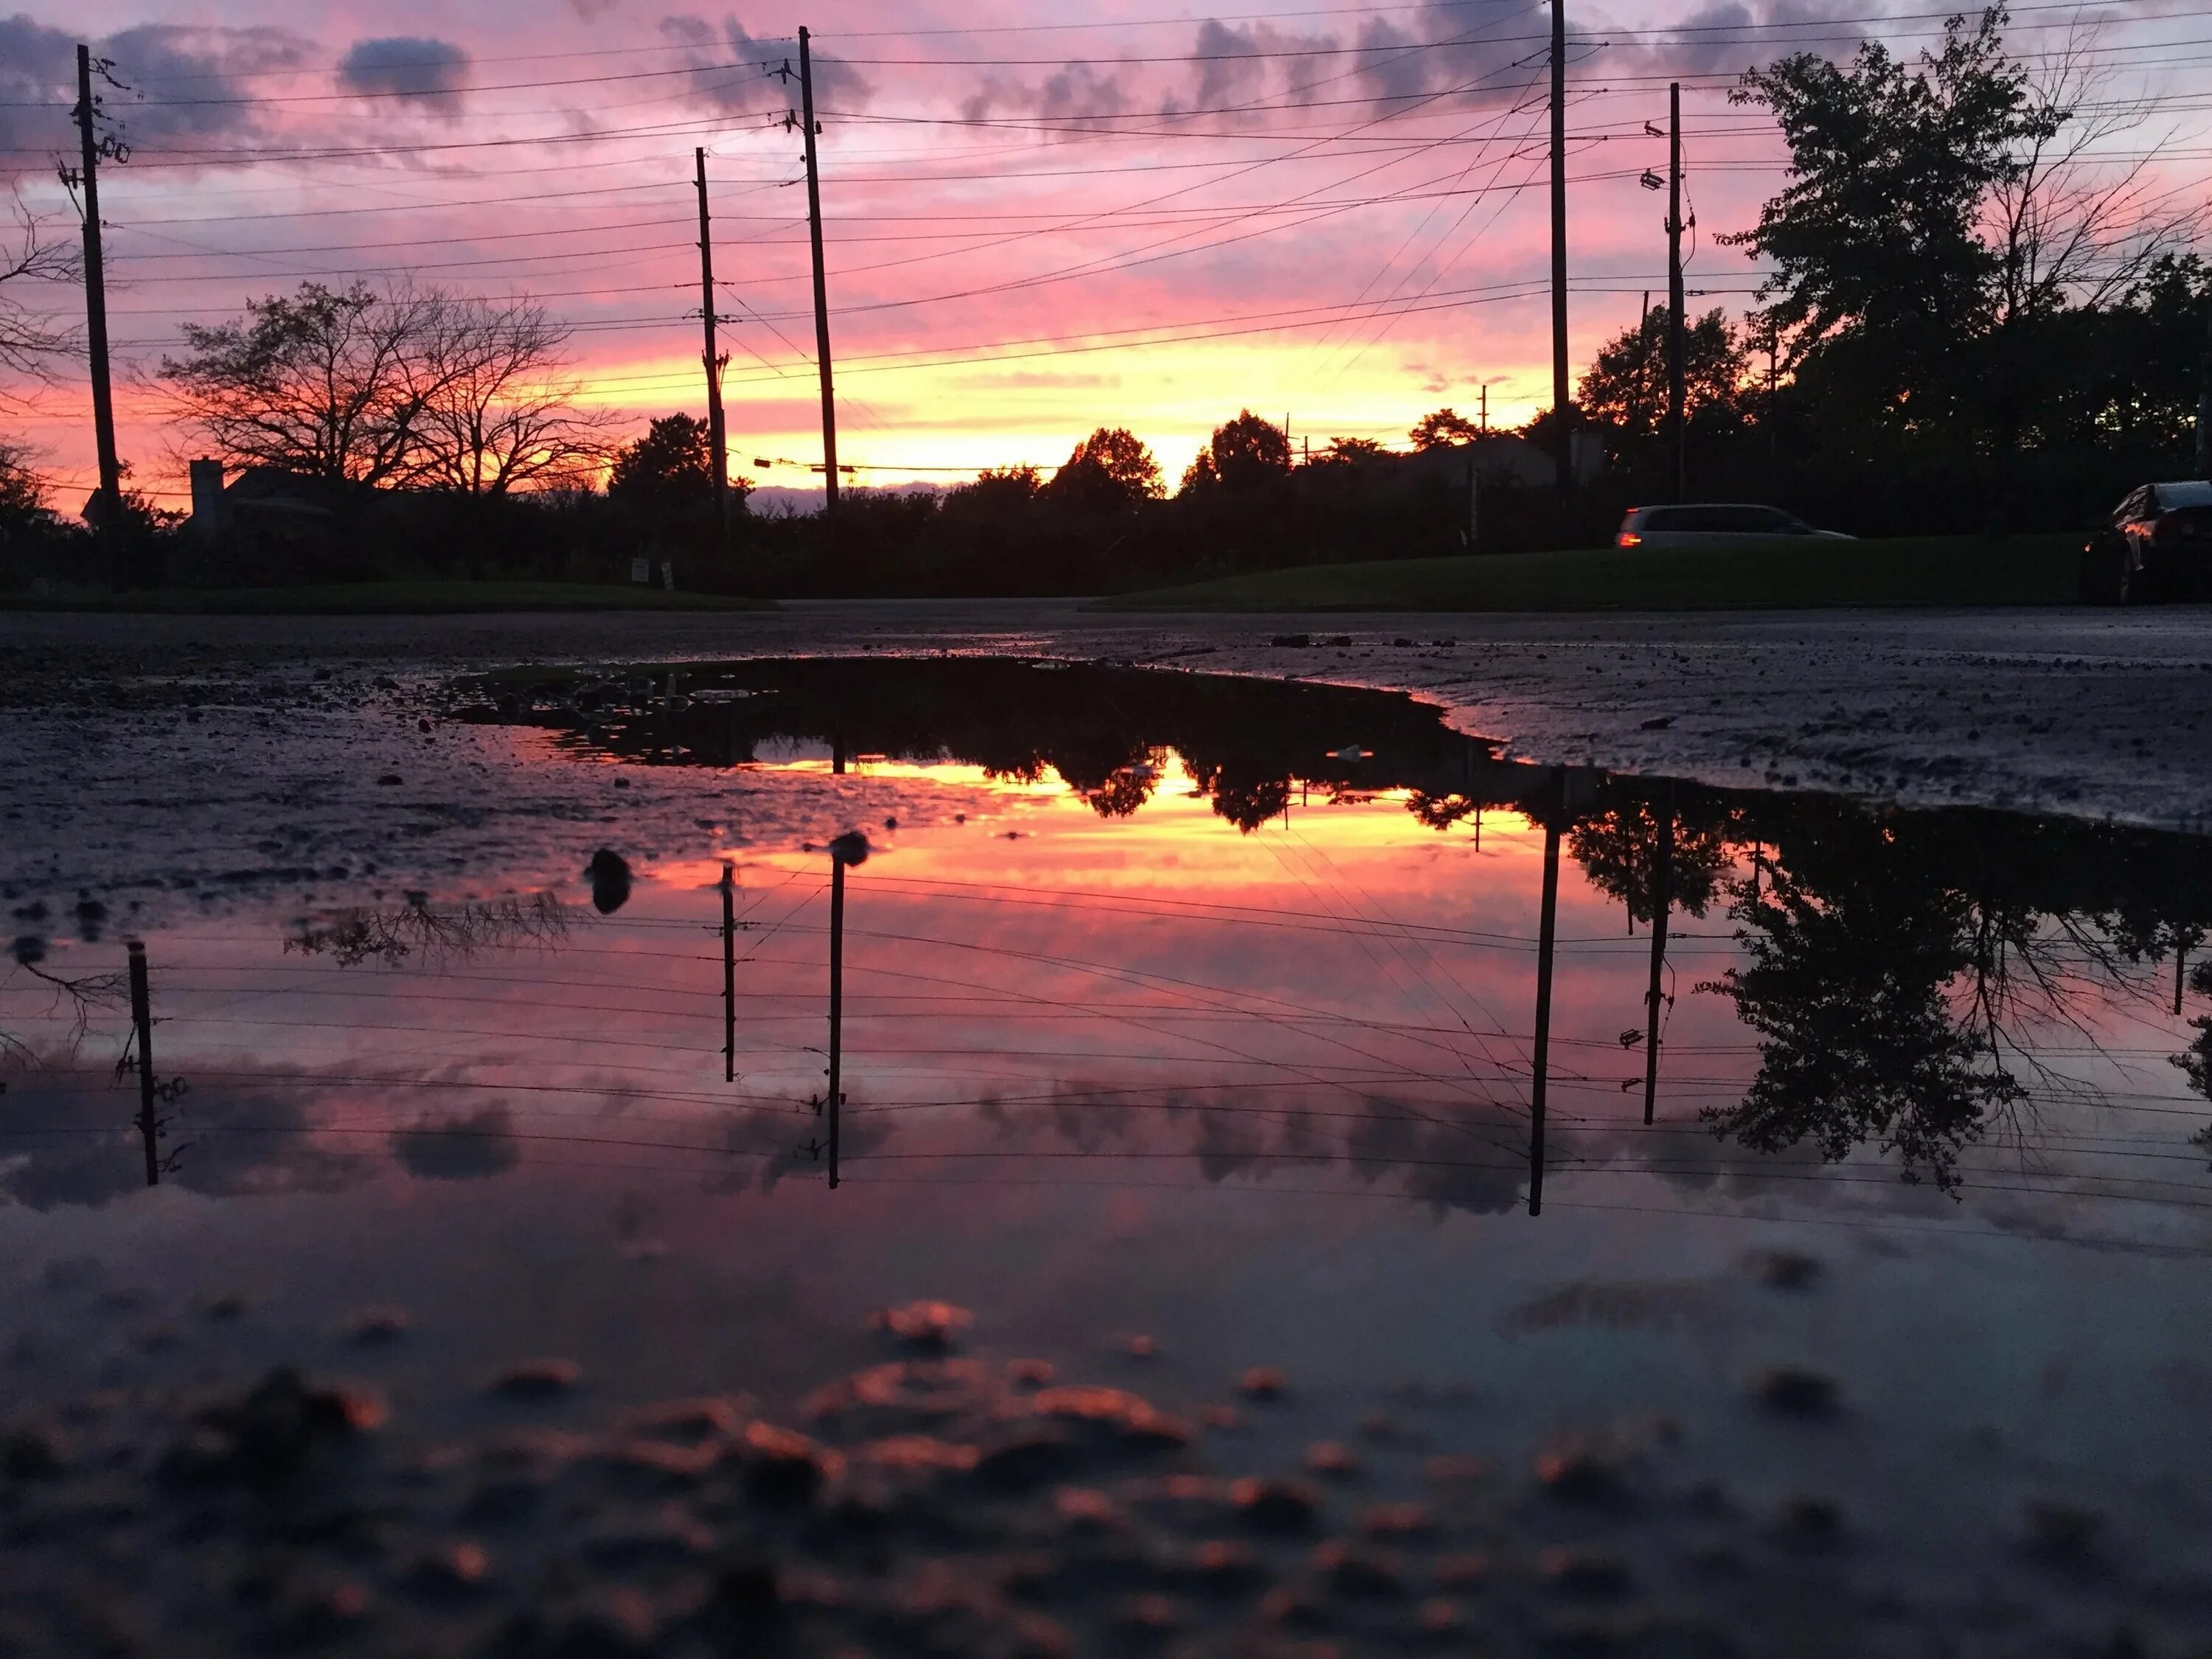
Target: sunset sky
1036	224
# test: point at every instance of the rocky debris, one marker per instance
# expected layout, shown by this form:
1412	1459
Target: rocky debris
931	1505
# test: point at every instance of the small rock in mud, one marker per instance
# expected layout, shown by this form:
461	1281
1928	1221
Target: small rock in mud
1275	1506
2059	1533
1581	1474
370	1328
1808	1522
1332	1461
1583	1573
1355	1572
925	1327
1795	1392
1262	1382
1397	1520
537	1379
1786	1270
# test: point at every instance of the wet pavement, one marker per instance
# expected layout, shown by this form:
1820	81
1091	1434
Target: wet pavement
1247	1231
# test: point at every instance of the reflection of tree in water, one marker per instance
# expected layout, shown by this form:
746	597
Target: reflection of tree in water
452	933
1617	850
1895	958
1441	812
2196	1058
1247	800
1859	1040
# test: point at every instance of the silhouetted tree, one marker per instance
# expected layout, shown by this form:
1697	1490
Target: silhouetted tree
1349	452
29	342
502	412
1875	242
671	465
1626	386
1243	455
1110	472
1444	426
328	384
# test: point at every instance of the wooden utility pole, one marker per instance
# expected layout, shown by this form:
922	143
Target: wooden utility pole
729	975
142	1018
1546	931
821	290
718	437
2204	404
1677	335
1562	412
836	1004
109	501
1663	898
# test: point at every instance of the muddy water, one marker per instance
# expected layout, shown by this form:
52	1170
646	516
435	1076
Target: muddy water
1193	1127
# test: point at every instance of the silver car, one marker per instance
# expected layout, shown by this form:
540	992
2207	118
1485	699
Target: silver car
1717	524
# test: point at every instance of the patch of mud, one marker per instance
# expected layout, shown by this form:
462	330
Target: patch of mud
947	1502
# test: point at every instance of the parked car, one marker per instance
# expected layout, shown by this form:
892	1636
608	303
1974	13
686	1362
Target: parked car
1717	524
2158	546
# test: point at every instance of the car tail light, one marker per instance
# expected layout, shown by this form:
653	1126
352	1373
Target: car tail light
1628	538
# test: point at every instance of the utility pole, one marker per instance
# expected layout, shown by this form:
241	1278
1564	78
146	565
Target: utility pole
110	497
2204	406
141	1020
717	433
1677	336
848	849
1663	898
821	291
729	975
1562	413
1547	934
1483	392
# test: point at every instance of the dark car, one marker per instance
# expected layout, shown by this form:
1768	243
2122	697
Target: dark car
2159	547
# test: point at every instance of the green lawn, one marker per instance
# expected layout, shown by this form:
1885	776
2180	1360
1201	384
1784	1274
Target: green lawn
405	598
1962	570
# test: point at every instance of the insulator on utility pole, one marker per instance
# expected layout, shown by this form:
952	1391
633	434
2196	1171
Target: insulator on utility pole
108	502
717	437
810	130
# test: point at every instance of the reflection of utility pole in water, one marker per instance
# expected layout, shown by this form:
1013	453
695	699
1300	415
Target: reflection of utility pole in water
729	975
851	847
142	1017
1662	895
1546	928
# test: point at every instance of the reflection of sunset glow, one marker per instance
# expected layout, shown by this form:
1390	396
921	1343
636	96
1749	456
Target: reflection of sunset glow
1343	993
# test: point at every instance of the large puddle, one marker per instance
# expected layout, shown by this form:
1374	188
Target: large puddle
1609	1210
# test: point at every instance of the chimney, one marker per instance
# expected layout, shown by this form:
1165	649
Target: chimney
207	500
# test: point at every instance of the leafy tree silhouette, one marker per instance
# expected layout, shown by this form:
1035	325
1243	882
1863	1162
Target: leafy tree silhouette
1444	426
1111	470
671	465
1243	454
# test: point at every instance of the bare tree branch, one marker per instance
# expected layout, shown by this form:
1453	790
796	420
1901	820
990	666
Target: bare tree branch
30	342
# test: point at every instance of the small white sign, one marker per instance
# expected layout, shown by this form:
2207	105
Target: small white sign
640	570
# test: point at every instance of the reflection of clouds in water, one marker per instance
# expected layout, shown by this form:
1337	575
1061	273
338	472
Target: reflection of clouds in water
462	1146
1462	1156
72	1139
